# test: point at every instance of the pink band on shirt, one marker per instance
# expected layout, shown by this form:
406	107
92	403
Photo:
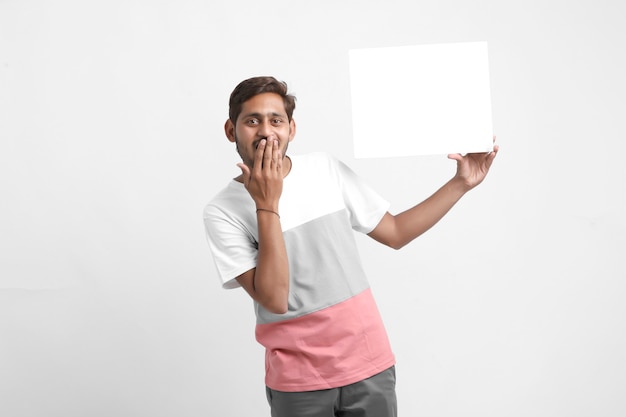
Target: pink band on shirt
329	348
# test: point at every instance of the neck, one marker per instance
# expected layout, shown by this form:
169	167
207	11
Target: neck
286	166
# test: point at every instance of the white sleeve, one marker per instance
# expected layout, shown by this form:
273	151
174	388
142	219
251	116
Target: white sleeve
366	206
234	250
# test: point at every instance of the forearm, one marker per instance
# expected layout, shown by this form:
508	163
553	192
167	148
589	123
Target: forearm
397	231
271	277
417	220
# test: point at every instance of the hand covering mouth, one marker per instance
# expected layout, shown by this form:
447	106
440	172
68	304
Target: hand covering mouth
256	144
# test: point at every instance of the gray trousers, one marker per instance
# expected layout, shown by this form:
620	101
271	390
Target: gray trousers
372	397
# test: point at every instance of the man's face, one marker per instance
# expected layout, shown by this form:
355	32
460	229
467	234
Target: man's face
262	117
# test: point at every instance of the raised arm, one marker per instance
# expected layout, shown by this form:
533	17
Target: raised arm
397	230
268	283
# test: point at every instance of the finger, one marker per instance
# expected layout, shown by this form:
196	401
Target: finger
272	150
279	159
493	154
494	148
455	156
244	169
267	154
245	172
258	156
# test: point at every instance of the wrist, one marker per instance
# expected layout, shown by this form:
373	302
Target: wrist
266	210
459	185
266	206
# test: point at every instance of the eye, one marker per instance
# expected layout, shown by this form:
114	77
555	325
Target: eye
277	121
252	122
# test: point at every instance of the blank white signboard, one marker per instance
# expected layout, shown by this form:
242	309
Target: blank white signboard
421	100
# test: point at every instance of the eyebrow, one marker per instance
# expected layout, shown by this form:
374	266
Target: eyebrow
259	115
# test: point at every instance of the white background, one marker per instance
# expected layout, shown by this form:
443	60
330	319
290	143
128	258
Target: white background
111	118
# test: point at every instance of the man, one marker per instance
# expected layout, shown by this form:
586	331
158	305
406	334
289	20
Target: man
283	230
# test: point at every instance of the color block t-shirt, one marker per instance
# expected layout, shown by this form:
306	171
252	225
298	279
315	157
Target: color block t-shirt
332	334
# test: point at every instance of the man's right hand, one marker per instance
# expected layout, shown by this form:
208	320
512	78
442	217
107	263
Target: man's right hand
268	282
264	181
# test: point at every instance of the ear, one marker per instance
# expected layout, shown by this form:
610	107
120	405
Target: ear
292	129
229	129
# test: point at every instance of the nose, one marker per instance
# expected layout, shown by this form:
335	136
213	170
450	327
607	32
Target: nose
265	129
